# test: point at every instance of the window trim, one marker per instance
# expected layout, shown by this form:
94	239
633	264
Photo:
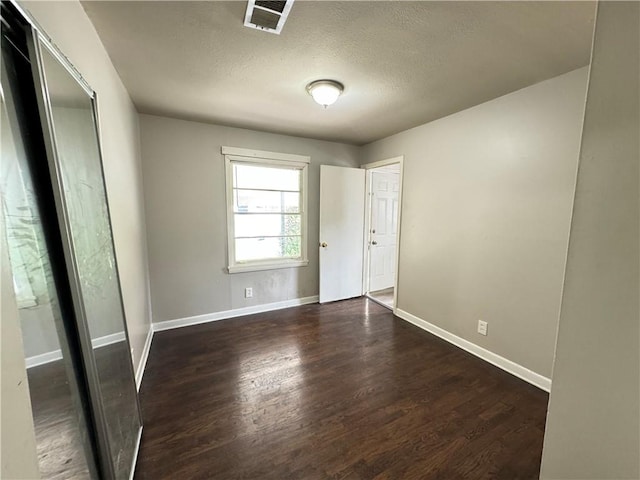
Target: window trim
259	157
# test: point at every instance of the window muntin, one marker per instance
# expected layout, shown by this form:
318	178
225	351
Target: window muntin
266	213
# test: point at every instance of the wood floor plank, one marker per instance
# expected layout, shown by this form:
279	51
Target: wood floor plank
338	391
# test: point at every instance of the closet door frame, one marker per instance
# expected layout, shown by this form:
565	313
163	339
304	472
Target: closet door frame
88	359
36	42
25	122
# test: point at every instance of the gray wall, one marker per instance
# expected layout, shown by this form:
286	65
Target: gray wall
593	424
23	234
39	333
485	221
18	458
185	203
72	31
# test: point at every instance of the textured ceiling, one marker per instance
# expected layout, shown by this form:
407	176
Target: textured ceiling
402	63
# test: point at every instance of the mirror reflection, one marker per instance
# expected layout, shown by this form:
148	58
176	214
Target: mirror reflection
88	217
61	436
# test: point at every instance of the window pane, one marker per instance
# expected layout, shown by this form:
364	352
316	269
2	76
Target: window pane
269	225
256	201
269	178
266	248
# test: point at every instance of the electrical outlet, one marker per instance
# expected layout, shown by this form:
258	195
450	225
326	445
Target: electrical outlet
482	327
248	292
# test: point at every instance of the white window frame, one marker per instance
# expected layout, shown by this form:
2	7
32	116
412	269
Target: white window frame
259	157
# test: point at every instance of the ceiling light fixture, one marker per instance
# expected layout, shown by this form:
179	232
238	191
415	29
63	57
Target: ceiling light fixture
325	92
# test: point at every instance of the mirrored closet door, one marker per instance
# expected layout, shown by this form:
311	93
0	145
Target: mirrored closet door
57	227
60	412
69	123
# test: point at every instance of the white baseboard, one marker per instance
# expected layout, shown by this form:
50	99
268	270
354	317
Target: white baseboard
108	340
236	312
513	368
144	357
54	355
43	358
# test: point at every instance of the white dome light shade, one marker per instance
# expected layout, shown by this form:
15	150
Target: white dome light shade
325	92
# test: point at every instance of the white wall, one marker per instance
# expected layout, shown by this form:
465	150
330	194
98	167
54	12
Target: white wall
72	31
593	425
185	203
487	198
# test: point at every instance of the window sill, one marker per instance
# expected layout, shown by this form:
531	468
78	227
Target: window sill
256	267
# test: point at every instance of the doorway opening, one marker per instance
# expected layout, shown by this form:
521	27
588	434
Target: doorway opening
382	232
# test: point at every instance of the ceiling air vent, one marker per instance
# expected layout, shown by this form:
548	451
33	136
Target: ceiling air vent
267	15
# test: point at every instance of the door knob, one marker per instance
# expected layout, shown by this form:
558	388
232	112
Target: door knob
323	244
374	243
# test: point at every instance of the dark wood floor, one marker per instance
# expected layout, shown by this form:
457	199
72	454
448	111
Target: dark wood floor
338	391
60	438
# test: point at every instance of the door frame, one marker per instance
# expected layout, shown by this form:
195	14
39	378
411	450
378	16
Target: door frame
366	251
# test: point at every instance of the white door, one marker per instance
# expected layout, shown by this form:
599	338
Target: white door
384	229
342	193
